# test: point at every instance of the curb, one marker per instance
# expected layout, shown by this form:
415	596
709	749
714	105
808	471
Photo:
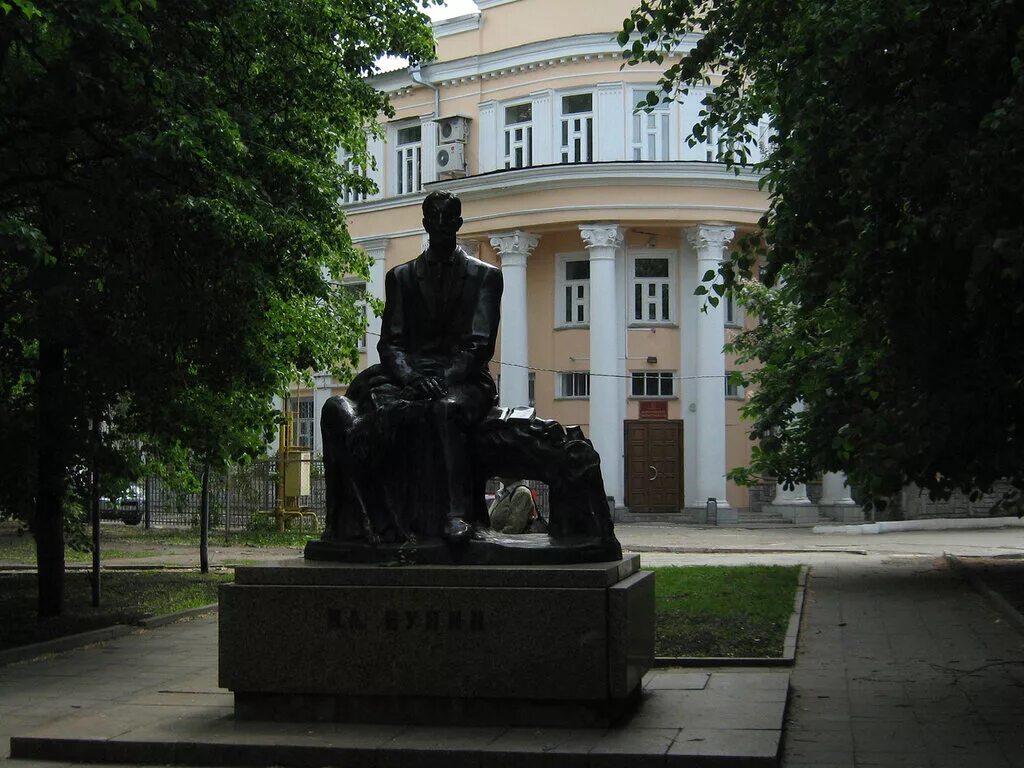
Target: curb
789	644
169	618
66	643
932	524
70	642
1000	603
684	550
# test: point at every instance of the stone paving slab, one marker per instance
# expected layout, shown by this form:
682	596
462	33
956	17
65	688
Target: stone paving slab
686	718
902	664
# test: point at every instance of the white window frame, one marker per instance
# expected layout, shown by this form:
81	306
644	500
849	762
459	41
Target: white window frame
562	283
736	392
509	143
302	426
349	195
566	147
641	128
732	312
660	378
671	282
407	175
572	385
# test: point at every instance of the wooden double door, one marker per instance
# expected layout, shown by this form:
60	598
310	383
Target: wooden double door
654	465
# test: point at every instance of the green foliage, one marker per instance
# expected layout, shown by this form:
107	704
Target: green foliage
169	223
893	240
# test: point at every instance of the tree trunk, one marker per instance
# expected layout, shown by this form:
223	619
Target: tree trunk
204	522
48	525
94	503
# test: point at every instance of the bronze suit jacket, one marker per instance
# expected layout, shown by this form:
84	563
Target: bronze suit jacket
444	330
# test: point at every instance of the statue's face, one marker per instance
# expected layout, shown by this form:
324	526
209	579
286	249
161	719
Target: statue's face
443	221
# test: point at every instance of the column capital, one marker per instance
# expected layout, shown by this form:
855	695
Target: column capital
601	236
376	249
710	236
514	247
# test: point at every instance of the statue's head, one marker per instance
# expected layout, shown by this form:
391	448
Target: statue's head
442	215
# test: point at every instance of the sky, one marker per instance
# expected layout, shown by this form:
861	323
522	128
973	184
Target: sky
450	9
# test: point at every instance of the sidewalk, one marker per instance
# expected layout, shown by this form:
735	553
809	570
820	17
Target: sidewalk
900	664
904	665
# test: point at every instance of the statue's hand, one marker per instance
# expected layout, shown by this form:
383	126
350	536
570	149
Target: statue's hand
427	388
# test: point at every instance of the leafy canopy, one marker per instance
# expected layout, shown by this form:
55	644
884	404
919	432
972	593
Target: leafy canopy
170	228
893	242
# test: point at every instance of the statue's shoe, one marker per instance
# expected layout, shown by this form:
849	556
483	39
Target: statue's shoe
457	530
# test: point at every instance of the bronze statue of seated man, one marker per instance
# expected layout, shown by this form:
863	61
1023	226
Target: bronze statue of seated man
416	409
409	447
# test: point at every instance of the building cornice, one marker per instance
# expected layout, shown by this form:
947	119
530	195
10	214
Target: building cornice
456	25
510	61
682	173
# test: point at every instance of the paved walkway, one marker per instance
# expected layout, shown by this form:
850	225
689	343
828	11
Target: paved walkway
901	663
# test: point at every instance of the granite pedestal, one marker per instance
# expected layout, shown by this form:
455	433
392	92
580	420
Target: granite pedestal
432	644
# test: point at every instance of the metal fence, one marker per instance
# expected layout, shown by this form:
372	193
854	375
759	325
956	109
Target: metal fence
237	495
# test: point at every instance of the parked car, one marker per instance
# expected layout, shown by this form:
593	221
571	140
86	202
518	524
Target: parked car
129	508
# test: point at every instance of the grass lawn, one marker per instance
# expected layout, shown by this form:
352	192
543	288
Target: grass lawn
118	541
127	597
723	611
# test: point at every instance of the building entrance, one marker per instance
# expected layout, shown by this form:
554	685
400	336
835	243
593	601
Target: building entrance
654	465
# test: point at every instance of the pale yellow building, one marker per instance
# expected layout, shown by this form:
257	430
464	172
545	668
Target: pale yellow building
602	220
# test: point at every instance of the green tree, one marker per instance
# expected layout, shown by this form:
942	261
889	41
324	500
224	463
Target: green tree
169	217
893	242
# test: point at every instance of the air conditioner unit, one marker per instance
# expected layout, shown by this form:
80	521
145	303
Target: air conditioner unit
451	129
451	158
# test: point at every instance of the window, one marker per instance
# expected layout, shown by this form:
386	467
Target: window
351	194
573	384
577	125
519	136
300	412
652	288
733	390
358	291
409	159
650	130
572	292
732	312
653	384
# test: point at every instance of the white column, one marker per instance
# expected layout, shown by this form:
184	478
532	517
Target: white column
428	140
709	241
834	490
514	249
487	137
603	241
543	152
610	123
322	390
623	387
789	498
798	495
277	403
377	251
